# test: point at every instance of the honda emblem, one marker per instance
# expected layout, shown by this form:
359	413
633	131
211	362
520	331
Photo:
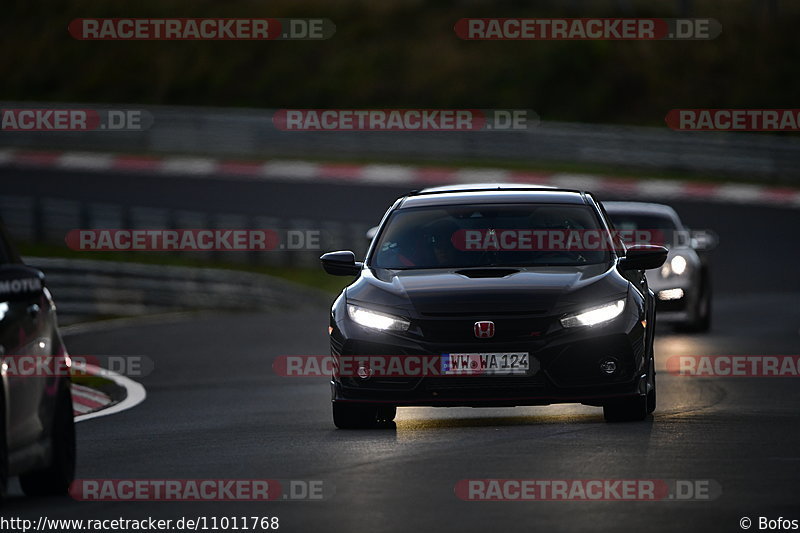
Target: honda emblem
484	329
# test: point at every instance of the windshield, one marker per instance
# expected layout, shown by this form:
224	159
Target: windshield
660	229
465	236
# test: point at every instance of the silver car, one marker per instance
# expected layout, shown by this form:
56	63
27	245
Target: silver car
37	429
683	285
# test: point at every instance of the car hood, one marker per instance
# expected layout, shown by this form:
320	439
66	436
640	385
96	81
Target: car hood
541	290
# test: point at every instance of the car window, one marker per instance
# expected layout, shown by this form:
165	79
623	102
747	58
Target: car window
662	229
466	236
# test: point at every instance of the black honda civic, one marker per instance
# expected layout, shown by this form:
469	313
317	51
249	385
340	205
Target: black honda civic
489	296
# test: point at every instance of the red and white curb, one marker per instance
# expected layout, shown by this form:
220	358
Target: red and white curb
89	403
411	176
86	400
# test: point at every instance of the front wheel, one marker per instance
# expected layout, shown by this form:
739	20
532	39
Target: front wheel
701	315
651	394
362	415
56	478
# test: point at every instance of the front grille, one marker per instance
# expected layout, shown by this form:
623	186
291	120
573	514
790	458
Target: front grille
458	330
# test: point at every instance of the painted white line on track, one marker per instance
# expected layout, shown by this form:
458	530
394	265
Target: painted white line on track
136	393
80	409
291	169
387	174
661	188
90	395
480	175
85	161
576	181
195	166
6	155
740	193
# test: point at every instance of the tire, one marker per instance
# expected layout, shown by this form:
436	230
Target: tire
362	415
651	399
626	409
701	318
56	478
635	408
386	413
651	395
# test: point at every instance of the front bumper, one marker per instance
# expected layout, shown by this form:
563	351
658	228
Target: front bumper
568	369
678	309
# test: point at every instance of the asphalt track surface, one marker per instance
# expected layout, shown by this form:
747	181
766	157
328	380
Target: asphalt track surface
215	409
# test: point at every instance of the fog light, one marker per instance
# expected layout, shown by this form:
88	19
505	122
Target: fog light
609	366
670	294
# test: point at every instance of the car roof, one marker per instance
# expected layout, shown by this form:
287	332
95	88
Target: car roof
639	208
642	208
496	193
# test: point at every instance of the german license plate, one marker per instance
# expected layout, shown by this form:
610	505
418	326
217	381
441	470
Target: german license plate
485	364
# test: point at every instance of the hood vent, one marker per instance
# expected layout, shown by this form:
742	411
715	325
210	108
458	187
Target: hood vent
487	272
478	314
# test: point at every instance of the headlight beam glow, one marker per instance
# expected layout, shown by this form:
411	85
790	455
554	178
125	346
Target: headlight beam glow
595	316
678	264
372	319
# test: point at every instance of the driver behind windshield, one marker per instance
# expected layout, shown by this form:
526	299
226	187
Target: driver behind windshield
436	237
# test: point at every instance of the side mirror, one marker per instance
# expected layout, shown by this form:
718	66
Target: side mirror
20	282
341	263
643	257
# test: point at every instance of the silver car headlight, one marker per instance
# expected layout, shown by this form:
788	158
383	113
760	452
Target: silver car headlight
595	315
375	320
678	264
675	266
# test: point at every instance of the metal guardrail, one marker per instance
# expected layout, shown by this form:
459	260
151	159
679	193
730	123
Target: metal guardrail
46	220
250	133
88	289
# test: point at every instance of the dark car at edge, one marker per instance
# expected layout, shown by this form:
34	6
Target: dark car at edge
37	428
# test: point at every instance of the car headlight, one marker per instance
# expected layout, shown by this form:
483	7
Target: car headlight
375	320
595	315
678	264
